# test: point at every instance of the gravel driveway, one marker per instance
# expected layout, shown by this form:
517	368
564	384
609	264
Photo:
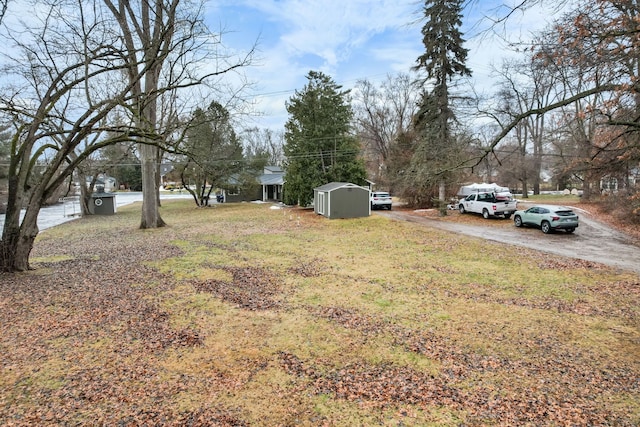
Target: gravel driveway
592	241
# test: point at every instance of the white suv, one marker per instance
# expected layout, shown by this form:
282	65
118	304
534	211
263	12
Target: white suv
380	200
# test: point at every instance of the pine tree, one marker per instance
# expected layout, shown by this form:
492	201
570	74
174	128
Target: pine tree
319	146
214	152
443	61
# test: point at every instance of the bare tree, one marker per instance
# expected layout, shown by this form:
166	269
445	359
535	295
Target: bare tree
64	86
148	29
598	42
525	85
160	35
70	85
382	114
3	8
264	143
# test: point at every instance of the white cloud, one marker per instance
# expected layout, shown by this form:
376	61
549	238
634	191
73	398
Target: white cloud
354	39
330	29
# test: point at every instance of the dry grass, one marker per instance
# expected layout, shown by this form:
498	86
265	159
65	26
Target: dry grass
246	315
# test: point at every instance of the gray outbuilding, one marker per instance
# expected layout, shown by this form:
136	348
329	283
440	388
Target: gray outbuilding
341	200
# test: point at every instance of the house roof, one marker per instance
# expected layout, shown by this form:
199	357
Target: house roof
335	185
273	169
271	178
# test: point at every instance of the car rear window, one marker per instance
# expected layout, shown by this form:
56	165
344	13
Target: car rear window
380	194
565	213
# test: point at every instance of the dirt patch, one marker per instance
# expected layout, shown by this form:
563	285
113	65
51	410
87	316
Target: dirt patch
251	288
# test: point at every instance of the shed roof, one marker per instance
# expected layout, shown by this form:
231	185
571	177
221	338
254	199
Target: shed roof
335	185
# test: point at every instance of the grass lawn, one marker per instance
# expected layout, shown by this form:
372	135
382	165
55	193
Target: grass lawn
243	315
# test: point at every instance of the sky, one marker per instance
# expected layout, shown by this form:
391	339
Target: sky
350	40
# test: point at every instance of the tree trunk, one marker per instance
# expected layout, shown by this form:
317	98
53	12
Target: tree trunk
15	249
154	27
84	196
150	194
537	152
525	189
18	236
158	166
150	154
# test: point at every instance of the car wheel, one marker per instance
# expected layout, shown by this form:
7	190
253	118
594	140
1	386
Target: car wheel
517	221
485	214
507	216
389	207
570	230
461	209
546	227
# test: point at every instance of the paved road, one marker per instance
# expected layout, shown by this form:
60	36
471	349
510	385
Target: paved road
592	241
51	216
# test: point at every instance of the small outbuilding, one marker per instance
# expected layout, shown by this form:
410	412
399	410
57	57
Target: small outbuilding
341	200
102	203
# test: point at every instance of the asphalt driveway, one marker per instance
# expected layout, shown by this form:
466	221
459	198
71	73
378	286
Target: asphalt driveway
592	241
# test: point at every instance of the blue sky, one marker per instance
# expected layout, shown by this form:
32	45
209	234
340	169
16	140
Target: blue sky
348	40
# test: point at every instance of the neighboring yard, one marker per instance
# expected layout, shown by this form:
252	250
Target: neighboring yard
242	315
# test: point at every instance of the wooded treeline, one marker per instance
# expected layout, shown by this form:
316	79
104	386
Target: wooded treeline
565	115
90	82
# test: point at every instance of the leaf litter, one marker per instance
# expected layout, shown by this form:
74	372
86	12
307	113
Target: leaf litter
81	339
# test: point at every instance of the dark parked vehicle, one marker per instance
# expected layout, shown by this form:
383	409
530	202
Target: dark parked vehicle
548	218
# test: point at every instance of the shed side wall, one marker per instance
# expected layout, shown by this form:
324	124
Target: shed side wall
349	202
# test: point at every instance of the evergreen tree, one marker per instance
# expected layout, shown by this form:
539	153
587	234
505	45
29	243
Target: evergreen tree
319	147
437	149
121	162
213	150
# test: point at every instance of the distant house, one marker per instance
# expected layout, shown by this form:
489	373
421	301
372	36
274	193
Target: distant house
272	181
233	192
341	200
268	187
611	184
165	169
103	183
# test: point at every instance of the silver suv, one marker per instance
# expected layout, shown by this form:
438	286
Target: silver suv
380	200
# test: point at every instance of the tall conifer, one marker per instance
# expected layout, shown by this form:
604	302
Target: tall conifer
442	62
319	144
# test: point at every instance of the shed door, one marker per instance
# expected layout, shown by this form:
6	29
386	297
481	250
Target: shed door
321	202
